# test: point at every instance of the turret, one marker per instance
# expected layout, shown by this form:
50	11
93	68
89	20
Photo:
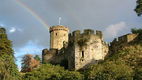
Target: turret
58	36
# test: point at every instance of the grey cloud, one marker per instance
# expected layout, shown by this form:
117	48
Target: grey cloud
77	14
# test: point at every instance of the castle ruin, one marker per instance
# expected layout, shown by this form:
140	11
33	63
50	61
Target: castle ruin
121	41
76	50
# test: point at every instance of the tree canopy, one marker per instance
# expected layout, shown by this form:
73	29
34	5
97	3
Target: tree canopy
135	30
8	68
29	63
51	72
138	8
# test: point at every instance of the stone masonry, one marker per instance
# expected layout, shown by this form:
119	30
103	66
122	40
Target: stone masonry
58	36
75	50
85	48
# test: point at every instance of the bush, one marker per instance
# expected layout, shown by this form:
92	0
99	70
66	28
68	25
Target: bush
110	70
50	72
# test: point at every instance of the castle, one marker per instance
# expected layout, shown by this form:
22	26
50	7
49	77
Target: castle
78	50
74	50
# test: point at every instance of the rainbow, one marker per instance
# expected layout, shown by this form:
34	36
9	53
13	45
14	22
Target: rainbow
33	13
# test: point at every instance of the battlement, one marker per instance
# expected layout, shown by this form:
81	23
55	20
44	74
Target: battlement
58	27
86	32
122	40
125	38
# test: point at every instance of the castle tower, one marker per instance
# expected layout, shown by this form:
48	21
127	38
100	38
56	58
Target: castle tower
58	36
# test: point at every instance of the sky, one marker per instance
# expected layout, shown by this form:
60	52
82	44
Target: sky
27	21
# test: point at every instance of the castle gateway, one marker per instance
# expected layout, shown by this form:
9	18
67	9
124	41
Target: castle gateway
76	50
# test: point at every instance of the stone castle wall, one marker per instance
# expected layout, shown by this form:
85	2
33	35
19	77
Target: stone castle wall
86	48
121	41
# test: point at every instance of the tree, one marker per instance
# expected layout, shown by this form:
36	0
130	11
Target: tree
29	63
110	70
138	74
51	72
139	7
8	68
135	30
37	58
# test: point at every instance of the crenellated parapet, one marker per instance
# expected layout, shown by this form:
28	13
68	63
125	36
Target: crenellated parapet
87	33
121	41
124	39
59	28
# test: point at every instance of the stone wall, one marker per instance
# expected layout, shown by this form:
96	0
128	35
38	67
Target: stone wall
121	41
86	48
52	56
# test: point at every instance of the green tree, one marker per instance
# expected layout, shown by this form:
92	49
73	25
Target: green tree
51	72
138	74
110	70
135	30
37	58
8	68
139	7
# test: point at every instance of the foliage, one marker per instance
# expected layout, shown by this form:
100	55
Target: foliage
37	58
125	64
139	7
135	30
138	74
131	55
50	72
110	70
29	63
8	69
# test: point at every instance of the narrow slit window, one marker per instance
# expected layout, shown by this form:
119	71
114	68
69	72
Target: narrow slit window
56	34
82	54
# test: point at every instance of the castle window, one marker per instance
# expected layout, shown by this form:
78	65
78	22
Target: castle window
82	54
56	34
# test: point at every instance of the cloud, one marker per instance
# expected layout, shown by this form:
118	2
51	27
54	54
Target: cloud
115	30
96	14
12	30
